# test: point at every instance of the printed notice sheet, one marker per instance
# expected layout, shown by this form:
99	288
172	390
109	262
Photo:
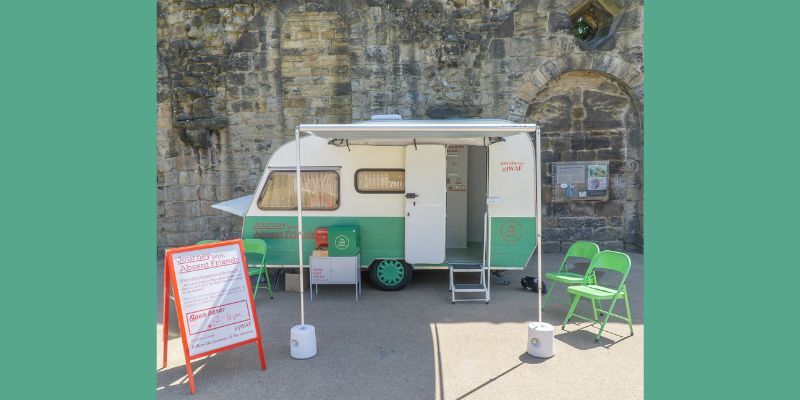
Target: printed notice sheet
214	297
570	174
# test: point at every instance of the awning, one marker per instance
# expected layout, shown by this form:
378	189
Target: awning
402	132
236	206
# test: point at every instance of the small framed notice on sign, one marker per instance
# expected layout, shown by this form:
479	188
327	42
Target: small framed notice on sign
580	180
213	300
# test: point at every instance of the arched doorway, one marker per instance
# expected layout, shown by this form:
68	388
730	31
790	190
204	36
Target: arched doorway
591	116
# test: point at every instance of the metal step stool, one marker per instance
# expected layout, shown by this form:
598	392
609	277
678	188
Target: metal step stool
468	287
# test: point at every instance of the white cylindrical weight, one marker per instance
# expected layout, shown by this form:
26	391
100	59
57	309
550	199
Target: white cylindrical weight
540	339
303	341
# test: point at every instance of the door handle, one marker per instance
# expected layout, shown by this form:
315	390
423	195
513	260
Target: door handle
411	195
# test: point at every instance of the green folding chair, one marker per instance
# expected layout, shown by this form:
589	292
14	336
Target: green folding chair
585	250
256	249
610	260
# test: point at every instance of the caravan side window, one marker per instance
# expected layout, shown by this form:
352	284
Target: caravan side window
380	181
320	191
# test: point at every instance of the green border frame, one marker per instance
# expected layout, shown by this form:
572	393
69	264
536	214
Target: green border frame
78	100
79	227
720	192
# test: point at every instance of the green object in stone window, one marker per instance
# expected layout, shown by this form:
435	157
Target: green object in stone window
582	30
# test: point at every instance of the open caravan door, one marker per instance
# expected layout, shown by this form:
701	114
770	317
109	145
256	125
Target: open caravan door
426	191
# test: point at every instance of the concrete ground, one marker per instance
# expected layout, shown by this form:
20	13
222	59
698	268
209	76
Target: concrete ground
414	344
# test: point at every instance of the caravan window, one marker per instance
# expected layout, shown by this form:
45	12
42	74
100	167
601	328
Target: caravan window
381	181
320	191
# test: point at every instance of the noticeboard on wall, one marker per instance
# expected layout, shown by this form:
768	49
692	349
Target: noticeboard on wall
580	180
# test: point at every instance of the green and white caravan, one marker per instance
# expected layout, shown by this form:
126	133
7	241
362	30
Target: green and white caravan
425	194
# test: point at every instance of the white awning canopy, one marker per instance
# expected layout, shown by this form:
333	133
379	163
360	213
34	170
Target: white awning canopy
405	132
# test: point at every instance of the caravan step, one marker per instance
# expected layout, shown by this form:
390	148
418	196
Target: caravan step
466	267
468	287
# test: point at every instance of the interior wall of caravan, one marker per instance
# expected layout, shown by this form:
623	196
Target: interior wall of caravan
466	190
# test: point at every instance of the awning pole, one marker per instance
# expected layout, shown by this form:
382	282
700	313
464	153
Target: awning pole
539	221
487	228
300	223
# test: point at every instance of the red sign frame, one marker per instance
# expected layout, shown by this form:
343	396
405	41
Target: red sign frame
171	281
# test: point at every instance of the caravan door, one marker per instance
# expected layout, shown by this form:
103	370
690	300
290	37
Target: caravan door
426	191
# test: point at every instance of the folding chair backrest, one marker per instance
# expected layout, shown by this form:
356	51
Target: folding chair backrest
611	260
585	250
255	246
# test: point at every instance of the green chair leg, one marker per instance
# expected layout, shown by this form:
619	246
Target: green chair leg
571	311
258	281
605	319
628	309
549	292
595	302
269	285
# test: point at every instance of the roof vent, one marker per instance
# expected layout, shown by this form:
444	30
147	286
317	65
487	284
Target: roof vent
386	117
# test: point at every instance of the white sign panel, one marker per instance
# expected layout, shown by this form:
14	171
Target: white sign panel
214	298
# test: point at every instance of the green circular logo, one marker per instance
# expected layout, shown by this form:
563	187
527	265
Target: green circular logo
511	231
342	242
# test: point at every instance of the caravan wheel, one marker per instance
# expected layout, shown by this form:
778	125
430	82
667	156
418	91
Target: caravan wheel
390	274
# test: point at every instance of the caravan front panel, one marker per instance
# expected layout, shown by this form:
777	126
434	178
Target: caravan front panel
512	182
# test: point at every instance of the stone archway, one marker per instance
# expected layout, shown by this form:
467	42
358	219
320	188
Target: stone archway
588	115
608	64
315	67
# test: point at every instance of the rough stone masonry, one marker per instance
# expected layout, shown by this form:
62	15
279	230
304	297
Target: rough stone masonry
235	77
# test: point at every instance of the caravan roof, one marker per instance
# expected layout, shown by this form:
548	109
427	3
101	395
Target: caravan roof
406	132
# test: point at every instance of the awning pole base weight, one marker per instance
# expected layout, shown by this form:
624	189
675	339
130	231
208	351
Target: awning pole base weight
303	342
540	339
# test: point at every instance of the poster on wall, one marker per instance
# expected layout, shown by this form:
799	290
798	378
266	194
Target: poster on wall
597	182
457	168
213	300
575	174
580	180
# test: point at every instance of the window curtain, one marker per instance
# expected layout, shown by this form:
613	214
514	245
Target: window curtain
381	181
320	190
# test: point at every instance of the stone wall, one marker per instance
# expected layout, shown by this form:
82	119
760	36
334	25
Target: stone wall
315	67
587	116
235	77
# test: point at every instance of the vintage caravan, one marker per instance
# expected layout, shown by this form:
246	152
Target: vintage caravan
424	194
